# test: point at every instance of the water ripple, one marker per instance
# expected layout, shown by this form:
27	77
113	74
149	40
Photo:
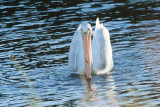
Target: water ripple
35	40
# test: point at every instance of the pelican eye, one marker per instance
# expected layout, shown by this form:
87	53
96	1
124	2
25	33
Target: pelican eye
81	31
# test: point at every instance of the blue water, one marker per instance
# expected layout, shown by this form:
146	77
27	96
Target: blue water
35	39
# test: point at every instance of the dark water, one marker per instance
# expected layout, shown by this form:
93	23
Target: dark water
34	44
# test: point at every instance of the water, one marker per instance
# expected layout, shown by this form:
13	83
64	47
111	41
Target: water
35	38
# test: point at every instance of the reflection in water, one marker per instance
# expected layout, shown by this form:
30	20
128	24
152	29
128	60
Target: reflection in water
90	95
111	94
89	86
93	93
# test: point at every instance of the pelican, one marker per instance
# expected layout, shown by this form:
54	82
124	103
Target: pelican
88	56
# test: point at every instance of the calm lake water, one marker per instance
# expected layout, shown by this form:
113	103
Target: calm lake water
34	42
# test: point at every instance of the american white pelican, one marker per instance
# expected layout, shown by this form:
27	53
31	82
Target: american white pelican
86	58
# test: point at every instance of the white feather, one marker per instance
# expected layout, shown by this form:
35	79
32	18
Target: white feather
101	49
76	53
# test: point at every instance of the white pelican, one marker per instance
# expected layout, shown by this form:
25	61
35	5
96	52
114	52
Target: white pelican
86	58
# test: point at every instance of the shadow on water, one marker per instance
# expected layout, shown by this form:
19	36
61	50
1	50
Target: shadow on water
34	44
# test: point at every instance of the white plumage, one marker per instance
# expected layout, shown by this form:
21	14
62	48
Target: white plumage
98	53
76	53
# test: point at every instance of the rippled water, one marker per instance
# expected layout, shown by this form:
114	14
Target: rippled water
35	38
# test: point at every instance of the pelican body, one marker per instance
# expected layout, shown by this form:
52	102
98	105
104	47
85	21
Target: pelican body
88	56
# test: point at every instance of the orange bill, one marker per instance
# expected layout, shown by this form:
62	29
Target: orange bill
87	54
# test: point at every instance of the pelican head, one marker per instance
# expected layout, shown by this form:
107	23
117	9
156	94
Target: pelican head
86	31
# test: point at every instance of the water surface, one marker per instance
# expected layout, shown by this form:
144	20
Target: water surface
35	39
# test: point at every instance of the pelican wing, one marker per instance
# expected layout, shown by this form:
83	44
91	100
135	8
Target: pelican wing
74	47
101	49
